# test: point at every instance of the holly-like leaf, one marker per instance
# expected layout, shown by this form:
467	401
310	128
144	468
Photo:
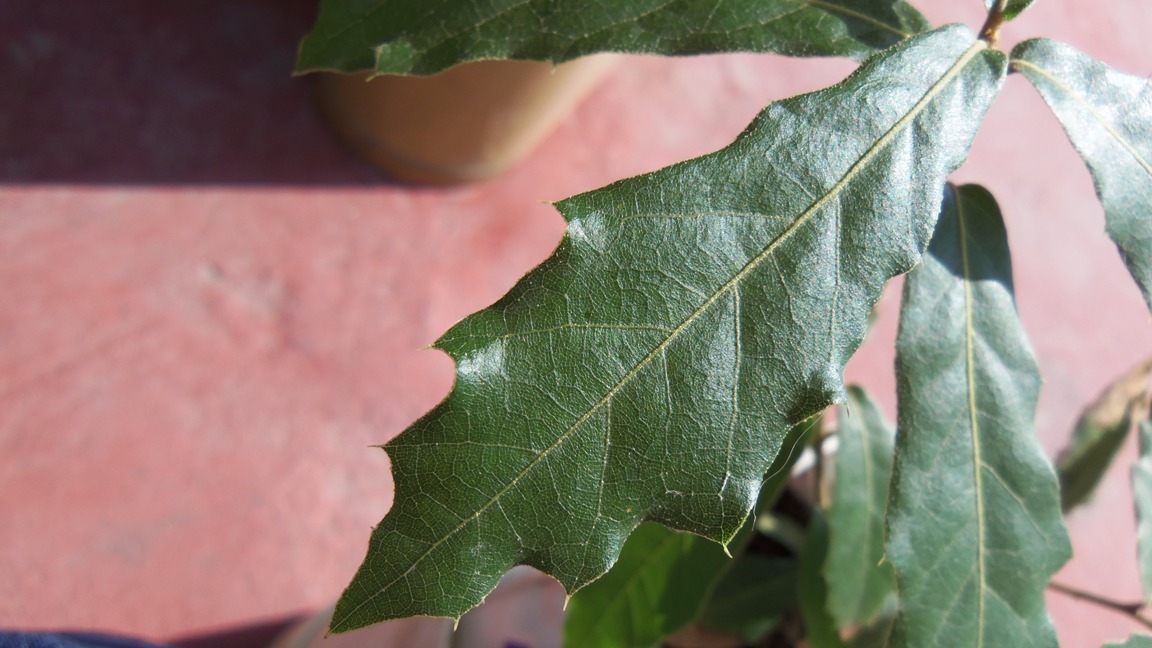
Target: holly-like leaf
427	36
1098	435
1142	495
1108	117
973	494
1009	8
652	367
860	582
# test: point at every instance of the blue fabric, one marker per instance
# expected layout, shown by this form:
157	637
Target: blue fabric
68	640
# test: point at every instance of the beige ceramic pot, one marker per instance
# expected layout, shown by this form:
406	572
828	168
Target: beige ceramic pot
468	123
525	610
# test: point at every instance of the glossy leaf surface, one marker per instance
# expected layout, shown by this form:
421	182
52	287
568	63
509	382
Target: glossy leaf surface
860	582
974	525
1142	495
1108	117
1098	435
653	366
427	36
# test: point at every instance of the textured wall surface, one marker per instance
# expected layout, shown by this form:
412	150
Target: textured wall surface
209	311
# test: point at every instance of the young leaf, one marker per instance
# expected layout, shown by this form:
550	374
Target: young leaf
1010	8
651	368
1098	436
860	582
427	36
1108	117
821	627
974	528
1142	494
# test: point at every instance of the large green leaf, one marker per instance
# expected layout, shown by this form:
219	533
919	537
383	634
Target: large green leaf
651	368
974	528
1108	117
1142	494
427	36
666	579
1098	435
860	582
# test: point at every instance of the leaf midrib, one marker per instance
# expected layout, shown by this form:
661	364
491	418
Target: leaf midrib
800	221
1078	98
973	420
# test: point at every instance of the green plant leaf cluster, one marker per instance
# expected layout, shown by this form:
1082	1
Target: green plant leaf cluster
428	36
665	362
691	317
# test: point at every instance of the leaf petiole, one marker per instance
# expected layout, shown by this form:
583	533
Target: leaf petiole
997	16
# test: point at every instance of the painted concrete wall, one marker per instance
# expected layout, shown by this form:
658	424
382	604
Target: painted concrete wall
209	311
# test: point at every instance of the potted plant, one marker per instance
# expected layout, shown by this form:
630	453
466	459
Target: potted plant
629	417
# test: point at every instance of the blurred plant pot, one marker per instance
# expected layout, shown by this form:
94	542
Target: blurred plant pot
469	123
525	610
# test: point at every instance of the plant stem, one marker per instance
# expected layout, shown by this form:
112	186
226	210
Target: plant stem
990	32
1131	610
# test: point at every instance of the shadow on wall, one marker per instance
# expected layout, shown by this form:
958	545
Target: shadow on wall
176	92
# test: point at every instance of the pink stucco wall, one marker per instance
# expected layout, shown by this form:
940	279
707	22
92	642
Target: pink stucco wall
209	311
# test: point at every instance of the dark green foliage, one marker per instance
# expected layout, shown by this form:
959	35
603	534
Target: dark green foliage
669	359
652	367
